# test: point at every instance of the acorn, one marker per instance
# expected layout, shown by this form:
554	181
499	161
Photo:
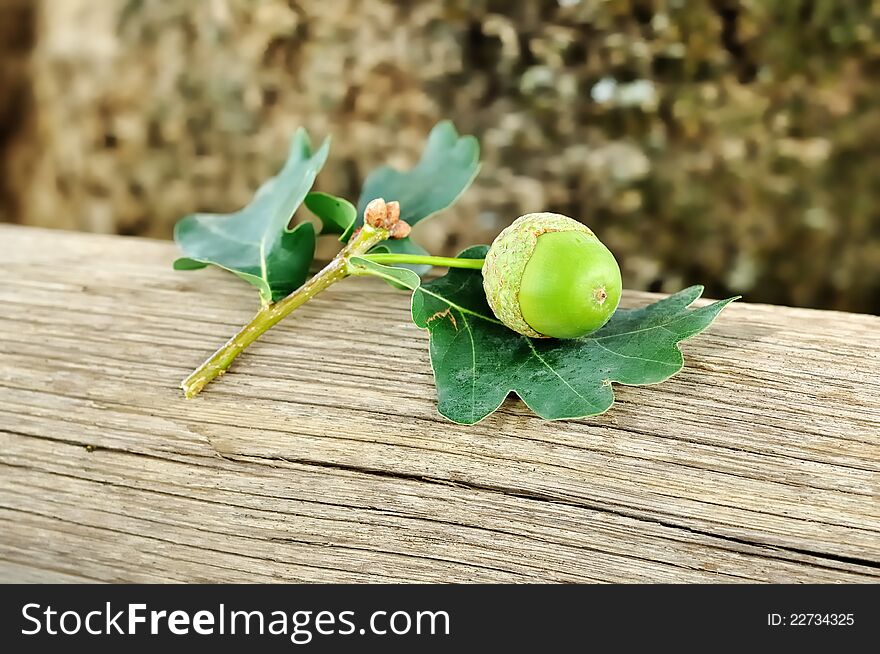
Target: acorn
549	276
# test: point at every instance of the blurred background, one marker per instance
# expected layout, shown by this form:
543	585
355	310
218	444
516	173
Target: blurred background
735	144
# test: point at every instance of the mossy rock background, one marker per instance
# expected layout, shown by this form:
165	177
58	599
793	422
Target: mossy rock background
728	143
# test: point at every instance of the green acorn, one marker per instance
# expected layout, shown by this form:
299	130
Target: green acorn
548	276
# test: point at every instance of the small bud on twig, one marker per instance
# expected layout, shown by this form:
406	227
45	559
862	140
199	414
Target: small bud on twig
401	229
375	212
381	215
393	214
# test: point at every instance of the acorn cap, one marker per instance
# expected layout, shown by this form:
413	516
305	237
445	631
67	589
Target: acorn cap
507	259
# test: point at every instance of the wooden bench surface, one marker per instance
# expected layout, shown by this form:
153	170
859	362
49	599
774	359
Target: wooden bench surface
324	459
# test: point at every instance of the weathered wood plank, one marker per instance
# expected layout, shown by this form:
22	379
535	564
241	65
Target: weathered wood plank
759	462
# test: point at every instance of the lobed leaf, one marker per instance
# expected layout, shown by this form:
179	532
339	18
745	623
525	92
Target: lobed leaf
447	167
477	361
255	242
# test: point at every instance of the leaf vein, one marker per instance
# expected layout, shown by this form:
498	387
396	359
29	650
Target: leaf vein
560	377
627	356
460	308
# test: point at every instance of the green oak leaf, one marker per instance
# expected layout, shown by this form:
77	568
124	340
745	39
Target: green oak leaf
255	242
478	361
447	167
336	214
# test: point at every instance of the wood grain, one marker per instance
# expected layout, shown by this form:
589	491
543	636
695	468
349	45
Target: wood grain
320	456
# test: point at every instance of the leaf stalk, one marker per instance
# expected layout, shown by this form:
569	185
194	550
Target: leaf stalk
390	259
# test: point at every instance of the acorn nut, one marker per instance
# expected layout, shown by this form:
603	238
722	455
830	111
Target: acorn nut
549	276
